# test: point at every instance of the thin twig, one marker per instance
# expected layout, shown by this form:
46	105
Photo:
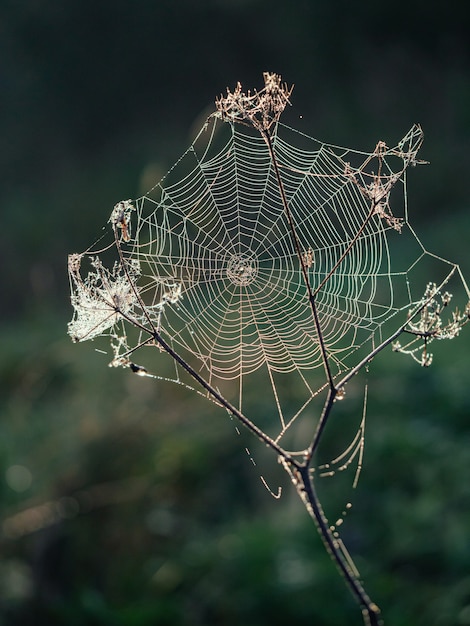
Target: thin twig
218	397
311	296
300	476
306	490
225	403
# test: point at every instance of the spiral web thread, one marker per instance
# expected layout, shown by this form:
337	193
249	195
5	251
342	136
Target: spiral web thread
212	265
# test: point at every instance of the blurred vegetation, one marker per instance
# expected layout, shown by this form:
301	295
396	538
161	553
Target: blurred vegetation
127	502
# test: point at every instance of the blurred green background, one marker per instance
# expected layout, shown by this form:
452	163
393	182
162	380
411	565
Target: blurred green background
129	503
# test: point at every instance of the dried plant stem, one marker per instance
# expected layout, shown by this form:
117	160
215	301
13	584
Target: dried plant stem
300	476
220	399
305	487
311	296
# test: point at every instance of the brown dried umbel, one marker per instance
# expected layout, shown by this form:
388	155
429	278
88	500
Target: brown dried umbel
260	109
429	325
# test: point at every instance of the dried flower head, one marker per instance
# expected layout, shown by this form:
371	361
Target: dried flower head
260	109
377	187
429	325
409	146
101	299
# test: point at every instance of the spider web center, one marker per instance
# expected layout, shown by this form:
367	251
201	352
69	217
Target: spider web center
242	269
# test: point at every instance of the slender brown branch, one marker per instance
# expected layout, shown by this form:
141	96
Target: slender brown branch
375	202
333	392
225	403
300	475
218	397
325	414
348	249
311	296
306	490
131	282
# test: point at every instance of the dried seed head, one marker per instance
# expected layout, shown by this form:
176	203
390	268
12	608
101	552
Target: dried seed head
260	109
101	299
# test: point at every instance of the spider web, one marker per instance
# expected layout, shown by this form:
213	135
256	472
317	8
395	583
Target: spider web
218	274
